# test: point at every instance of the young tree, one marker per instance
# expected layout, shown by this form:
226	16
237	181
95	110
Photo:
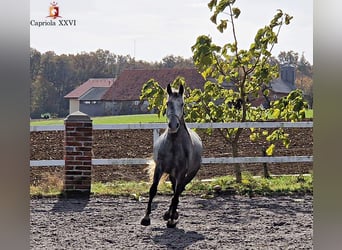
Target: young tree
247	72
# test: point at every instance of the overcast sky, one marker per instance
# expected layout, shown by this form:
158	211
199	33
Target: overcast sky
153	29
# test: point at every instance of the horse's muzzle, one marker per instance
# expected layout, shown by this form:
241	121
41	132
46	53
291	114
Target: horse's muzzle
173	124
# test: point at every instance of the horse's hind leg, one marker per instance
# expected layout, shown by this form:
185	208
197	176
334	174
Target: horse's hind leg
173	182
190	176
146	221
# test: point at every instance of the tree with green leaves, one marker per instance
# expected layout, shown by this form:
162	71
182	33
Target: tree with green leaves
290	57
234	78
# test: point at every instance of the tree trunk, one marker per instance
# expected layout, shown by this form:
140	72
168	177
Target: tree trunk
237	168
266	173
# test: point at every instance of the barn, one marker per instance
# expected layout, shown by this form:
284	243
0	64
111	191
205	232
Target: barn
280	86
121	96
87	97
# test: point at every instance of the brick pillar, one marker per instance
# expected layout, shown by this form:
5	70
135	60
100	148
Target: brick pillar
78	141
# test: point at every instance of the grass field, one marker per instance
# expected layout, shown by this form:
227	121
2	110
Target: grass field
277	185
120	119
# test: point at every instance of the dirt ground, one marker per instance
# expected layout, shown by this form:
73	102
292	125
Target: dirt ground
224	222
138	143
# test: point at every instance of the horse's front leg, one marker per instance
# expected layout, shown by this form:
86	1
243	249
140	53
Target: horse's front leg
178	186
172	213
146	221
167	214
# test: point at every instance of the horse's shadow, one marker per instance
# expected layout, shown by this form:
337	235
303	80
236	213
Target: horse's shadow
175	238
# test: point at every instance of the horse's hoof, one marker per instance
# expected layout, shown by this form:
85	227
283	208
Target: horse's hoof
166	216
145	221
171	223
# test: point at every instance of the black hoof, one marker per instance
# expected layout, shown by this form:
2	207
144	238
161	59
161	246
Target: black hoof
166	216
171	224
145	221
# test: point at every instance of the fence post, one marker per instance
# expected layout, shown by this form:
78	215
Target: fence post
156	135
78	141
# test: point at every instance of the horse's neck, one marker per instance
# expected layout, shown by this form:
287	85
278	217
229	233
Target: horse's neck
182	122
182	131
186	129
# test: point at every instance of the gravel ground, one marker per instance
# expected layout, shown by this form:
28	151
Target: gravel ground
224	222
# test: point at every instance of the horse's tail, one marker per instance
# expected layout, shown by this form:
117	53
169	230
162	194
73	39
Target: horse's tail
150	170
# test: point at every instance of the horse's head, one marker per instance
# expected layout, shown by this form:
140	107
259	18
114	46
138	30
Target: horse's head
175	108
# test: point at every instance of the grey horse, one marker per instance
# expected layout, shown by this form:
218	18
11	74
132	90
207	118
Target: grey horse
177	152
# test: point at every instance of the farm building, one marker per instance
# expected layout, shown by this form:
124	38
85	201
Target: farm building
87	97
280	86
123	96
108	96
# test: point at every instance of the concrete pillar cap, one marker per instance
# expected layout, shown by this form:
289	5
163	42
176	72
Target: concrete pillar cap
77	116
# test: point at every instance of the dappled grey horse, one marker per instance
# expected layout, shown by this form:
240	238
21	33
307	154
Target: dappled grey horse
177	152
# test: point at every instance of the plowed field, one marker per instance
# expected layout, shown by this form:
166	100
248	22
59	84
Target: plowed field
138	143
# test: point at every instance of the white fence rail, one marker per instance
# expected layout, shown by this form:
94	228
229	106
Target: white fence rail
307	124
211	160
157	126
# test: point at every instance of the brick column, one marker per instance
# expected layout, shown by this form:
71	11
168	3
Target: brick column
78	141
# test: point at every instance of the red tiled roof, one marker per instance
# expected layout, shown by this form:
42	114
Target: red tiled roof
91	83
129	84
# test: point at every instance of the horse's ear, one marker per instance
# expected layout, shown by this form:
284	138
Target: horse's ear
169	90
181	89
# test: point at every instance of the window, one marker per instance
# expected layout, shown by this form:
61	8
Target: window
89	102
